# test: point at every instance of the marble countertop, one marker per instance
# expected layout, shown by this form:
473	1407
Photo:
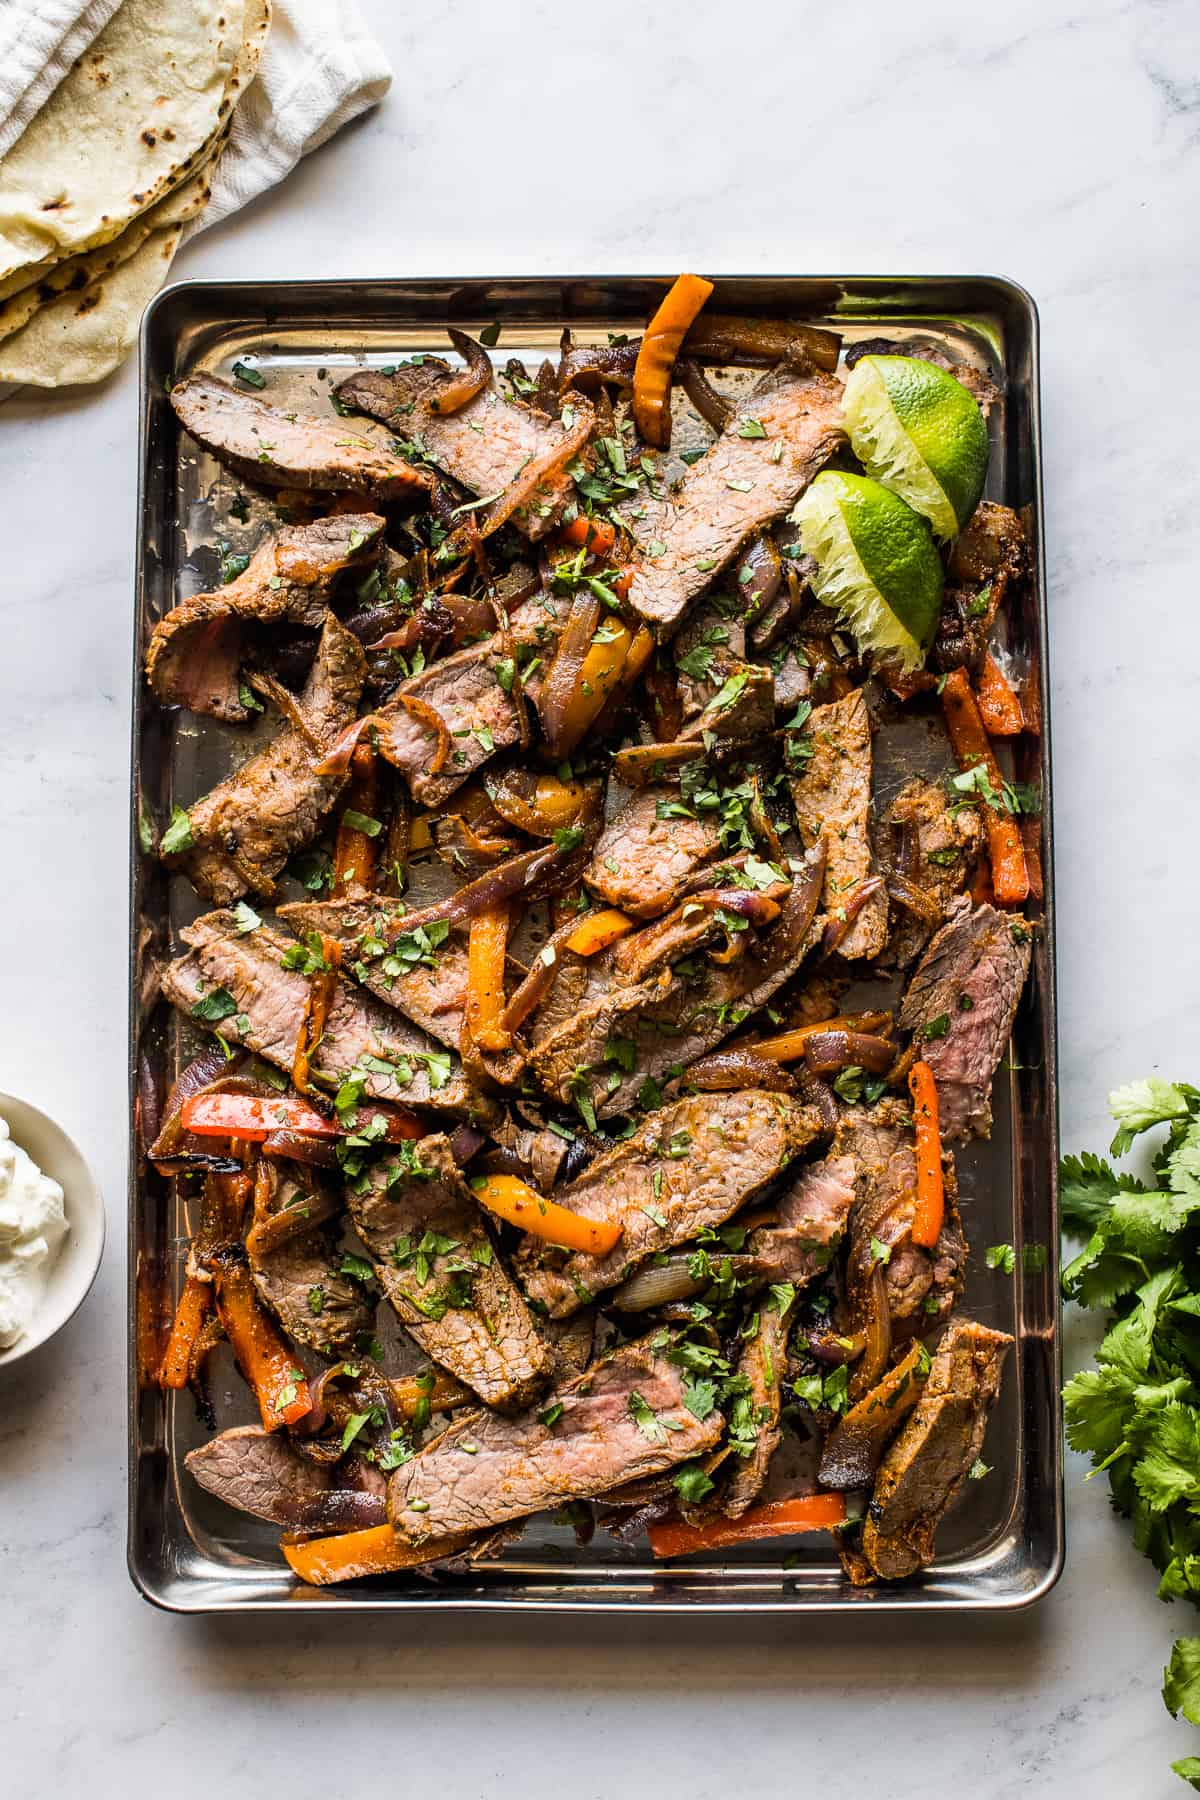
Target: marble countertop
1055	143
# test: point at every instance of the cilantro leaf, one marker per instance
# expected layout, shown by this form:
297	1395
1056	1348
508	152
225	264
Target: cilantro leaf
1141	1104
1181	1680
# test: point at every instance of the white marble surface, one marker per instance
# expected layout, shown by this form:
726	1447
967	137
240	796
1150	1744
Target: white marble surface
1049	140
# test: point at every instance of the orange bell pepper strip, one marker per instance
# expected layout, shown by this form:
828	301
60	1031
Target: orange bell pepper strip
789	1045
195	1303
354	852
262	1355
656	357
598	931
597	534
353	1554
999	707
487	948
322	986
774	1518
1010	877
514	1200
930	1209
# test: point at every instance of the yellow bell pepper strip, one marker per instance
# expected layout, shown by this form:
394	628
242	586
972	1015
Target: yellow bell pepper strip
353	1554
931	1200
515	1201
656	357
789	1045
487	947
774	1518
598	930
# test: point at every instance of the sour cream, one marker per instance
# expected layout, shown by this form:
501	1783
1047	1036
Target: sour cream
33	1225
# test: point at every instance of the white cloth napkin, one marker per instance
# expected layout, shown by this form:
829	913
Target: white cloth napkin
39	40
320	68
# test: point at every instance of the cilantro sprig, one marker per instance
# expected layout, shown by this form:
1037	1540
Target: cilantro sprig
1137	1412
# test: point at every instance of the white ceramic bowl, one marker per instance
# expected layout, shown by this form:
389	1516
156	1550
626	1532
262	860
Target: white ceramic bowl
72	1274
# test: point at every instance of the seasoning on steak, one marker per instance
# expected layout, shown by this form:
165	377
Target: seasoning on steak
960	1007
987	557
623	1419
423	1230
245	995
427	986
708	650
934	1453
267	444
484	445
979	385
736	488
936	850
300	1279
262	1473
625	1031
692	1164
812	1217
763	1363
466	693
244	831
196	651
832	797
922	1285
642	859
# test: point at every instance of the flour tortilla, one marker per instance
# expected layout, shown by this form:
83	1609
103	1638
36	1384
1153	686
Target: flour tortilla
83	337
132	120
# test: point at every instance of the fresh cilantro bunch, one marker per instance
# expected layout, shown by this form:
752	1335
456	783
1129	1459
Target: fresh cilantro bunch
1137	1413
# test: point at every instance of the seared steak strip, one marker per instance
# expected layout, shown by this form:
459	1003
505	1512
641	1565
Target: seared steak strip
262	1473
623	1419
960	1007
921	1285
736	488
483	445
244	994
301	1280
433	997
937	851
812	1221
267	444
196	651
832	797
642	860
763	1363
244	831
935	1451
691	1165
435	1262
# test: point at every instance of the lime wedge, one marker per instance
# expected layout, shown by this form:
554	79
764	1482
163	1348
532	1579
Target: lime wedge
917	430
877	565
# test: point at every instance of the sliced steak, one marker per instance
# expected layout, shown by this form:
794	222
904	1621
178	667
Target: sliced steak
922	1285
624	1032
625	1418
934	1453
763	1364
736	488
435	1262
484	445
642	860
813	1215
196	651
259	1005
690	1165
244	831
936	852
960	1007
267	444
465	691
301	1282
262	1473
708	650
432	997
832	797
986	559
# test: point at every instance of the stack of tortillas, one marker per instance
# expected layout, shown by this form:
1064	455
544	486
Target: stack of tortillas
98	189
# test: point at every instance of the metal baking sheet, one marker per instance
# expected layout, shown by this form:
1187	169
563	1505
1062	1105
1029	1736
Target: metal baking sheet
1002	1547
